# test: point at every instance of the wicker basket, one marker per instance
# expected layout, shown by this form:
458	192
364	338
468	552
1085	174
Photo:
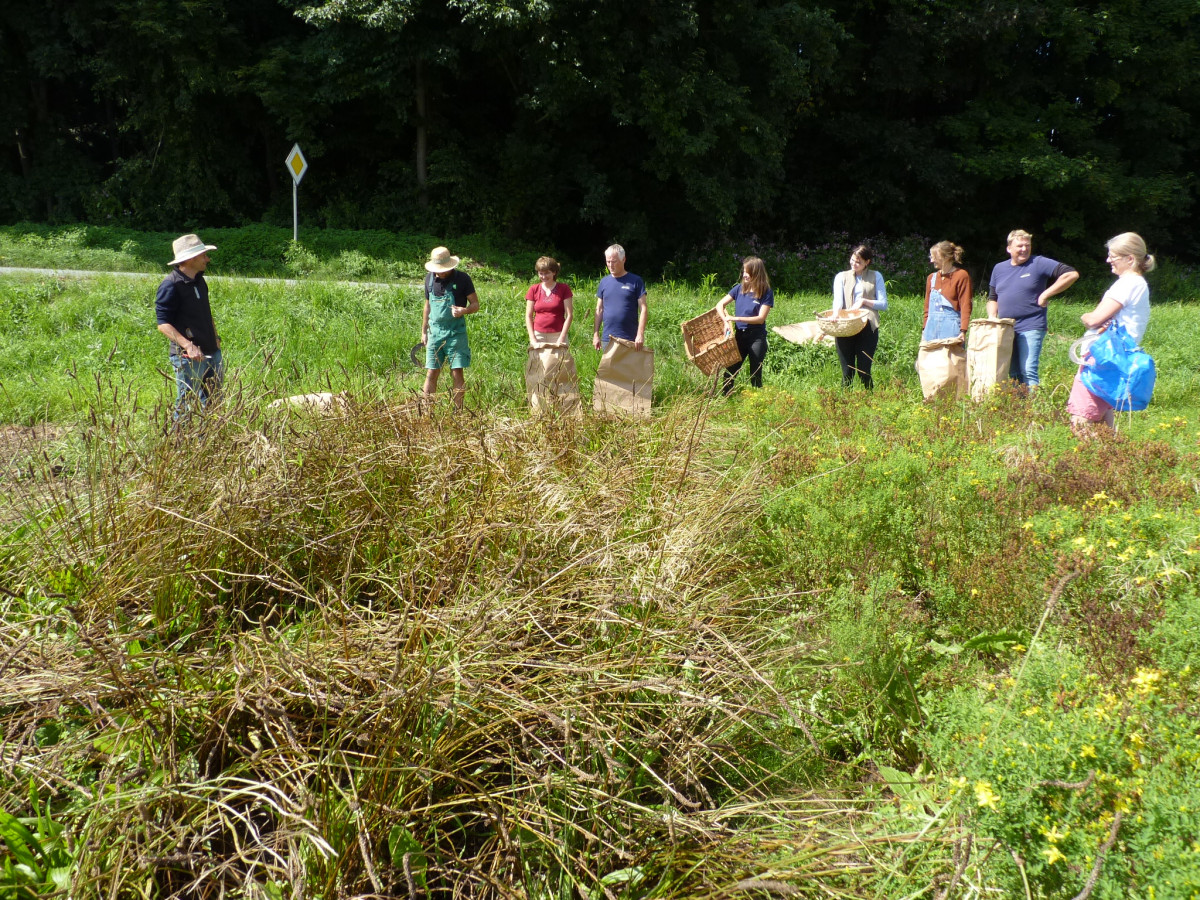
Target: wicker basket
706	343
842	322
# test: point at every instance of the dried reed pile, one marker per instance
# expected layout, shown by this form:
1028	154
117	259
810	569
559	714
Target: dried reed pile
377	654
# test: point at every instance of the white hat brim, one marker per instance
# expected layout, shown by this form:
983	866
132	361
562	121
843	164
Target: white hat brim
191	253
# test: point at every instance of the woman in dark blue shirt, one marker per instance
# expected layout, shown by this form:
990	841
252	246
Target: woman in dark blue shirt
752	300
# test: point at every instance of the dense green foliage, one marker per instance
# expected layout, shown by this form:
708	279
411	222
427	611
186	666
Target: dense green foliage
572	123
397	257
261	250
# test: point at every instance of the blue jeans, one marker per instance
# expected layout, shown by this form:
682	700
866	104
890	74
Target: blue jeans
195	379
1027	348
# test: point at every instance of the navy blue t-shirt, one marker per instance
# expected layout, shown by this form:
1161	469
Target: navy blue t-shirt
750	305
620	296
1016	289
183	303
455	282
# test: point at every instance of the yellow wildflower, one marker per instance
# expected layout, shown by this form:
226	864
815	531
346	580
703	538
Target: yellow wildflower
1146	680
1087	751
1053	855
1054	835
985	796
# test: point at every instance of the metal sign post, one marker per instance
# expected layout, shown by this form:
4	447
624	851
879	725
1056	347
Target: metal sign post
297	165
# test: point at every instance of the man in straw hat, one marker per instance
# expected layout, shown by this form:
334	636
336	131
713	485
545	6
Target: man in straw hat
449	297
185	317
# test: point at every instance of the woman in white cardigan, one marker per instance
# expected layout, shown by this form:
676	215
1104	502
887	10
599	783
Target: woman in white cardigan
859	287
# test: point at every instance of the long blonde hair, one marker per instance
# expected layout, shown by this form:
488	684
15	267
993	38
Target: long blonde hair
1130	243
759	282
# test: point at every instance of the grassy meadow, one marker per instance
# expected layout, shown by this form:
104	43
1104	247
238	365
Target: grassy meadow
801	642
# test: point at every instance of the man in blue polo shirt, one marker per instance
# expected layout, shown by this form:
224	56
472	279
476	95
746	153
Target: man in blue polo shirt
621	308
184	316
1020	288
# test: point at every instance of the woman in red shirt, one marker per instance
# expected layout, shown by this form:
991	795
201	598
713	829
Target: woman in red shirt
548	307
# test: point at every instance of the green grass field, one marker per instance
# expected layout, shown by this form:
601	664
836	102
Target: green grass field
802	642
59	338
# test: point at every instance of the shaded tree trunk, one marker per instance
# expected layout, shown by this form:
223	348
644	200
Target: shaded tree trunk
24	153
422	136
40	97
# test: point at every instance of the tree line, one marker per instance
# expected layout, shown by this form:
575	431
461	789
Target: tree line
569	123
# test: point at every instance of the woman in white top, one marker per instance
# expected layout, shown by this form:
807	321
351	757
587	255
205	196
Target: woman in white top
1126	303
859	287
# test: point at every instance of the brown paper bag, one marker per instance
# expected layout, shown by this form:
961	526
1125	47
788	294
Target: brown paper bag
989	352
942	366
804	333
551	381
624	380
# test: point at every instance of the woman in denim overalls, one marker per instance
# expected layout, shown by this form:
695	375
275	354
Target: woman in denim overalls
947	294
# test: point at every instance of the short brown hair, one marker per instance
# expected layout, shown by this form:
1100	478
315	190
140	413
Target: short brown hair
547	264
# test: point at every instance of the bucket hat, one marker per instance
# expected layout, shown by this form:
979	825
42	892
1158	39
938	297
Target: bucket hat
441	261
187	247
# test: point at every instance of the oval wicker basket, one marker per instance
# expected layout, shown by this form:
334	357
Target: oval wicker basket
842	322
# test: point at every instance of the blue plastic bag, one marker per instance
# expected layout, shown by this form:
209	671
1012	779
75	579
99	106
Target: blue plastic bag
1118	371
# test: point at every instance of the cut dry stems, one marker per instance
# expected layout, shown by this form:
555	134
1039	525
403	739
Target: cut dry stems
377	654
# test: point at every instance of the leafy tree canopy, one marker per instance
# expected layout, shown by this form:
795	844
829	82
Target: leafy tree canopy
662	123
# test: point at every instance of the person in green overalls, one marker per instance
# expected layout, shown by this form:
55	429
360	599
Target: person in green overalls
449	297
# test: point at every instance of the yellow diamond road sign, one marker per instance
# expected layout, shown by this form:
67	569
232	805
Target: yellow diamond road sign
296	163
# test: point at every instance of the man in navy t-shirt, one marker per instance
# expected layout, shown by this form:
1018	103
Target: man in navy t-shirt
621	308
1020	288
184	315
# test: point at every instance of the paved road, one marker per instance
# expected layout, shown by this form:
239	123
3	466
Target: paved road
88	273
